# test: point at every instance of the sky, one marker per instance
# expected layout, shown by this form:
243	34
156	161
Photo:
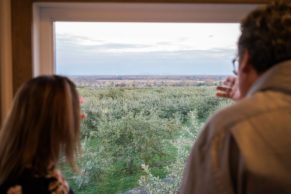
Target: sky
119	48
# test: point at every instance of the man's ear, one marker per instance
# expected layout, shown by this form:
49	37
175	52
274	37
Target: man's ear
245	65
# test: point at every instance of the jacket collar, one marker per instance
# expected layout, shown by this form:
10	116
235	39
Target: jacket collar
278	78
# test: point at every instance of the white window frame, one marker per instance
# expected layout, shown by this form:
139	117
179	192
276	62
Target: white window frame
45	14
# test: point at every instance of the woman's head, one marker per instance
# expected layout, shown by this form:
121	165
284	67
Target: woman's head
43	124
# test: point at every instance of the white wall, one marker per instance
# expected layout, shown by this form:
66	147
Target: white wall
5	57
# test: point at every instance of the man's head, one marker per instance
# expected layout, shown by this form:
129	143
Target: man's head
264	42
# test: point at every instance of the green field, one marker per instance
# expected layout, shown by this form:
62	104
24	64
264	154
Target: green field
139	137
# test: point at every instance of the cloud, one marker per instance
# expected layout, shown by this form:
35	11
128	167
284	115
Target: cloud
65	43
73	62
115	46
87	44
109	58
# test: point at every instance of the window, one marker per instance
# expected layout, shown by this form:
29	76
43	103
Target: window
139	124
45	14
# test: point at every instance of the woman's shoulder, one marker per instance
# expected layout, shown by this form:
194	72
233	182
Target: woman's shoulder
29	183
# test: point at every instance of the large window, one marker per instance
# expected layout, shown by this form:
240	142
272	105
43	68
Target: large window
147	74
45	14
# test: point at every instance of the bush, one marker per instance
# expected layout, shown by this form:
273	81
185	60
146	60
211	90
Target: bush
171	184
129	128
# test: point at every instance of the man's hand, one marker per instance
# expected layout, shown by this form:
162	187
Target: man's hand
229	89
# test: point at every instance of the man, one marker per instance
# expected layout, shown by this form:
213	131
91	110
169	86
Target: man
246	148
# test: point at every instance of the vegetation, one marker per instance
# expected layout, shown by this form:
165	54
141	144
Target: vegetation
139	137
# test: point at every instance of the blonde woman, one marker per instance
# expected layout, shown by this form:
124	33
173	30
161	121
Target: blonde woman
42	126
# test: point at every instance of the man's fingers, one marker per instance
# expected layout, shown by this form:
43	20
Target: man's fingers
224	89
221	94
229	82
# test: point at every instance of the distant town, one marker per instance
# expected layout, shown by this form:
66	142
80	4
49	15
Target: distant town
141	81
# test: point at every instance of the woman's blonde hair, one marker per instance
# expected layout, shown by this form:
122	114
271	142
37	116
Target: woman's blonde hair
44	124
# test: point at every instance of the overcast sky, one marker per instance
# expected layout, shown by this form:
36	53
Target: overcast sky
103	48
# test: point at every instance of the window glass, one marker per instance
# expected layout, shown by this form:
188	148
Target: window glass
146	90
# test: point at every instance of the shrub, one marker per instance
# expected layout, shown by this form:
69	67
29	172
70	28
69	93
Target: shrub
126	128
